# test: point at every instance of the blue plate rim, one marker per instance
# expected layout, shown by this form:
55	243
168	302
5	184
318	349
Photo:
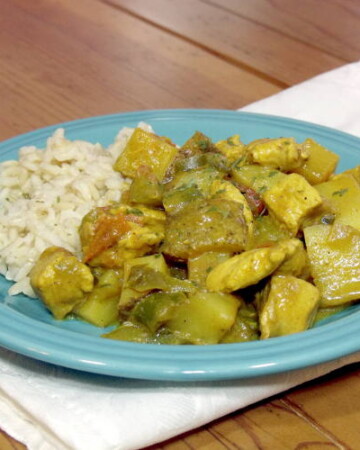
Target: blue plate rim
91	354
182	113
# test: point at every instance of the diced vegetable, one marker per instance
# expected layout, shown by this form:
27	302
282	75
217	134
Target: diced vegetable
129	331
223	189
289	306
320	165
101	305
343	194
205	317
245	328
146	189
198	143
325	313
334	254
267	230
146	149
354	172
157	309
213	243
203	226
291	200
187	187
142	275
258	178
200	266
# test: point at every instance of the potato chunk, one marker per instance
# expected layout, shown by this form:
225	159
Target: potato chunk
354	172
289	307
320	165
249	267
205	317
343	194
101	305
60	280
146	149
291	200
334	254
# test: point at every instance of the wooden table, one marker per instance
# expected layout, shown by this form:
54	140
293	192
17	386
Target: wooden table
66	59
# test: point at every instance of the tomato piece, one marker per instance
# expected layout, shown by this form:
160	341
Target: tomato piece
108	230
256	204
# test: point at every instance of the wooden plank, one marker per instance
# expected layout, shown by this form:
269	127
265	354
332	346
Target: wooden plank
236	38
332	405
331	26
260	426
8	443
119	63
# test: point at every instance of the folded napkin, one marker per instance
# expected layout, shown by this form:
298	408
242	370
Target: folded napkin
52	408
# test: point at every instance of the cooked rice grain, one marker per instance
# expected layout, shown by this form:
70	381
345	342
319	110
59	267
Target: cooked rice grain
46	193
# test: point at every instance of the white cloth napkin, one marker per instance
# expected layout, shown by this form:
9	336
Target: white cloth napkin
52	408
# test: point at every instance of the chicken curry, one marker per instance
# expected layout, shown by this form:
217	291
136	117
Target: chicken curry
213	243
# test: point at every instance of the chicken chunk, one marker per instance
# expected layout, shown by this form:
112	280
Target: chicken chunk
109	236
249	267
60	280
284	154
297	263
232	148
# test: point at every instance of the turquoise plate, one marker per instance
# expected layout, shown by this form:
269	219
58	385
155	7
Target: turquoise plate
27	327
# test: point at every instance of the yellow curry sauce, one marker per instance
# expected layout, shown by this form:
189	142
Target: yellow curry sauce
213	243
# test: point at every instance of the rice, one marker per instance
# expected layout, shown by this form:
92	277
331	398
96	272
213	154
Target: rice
46	193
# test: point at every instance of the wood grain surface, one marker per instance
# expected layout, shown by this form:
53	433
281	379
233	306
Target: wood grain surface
66	59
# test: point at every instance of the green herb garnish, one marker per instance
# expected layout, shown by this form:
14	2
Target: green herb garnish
341	192
134	211
203	145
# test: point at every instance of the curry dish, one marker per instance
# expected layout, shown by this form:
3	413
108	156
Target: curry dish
213	243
